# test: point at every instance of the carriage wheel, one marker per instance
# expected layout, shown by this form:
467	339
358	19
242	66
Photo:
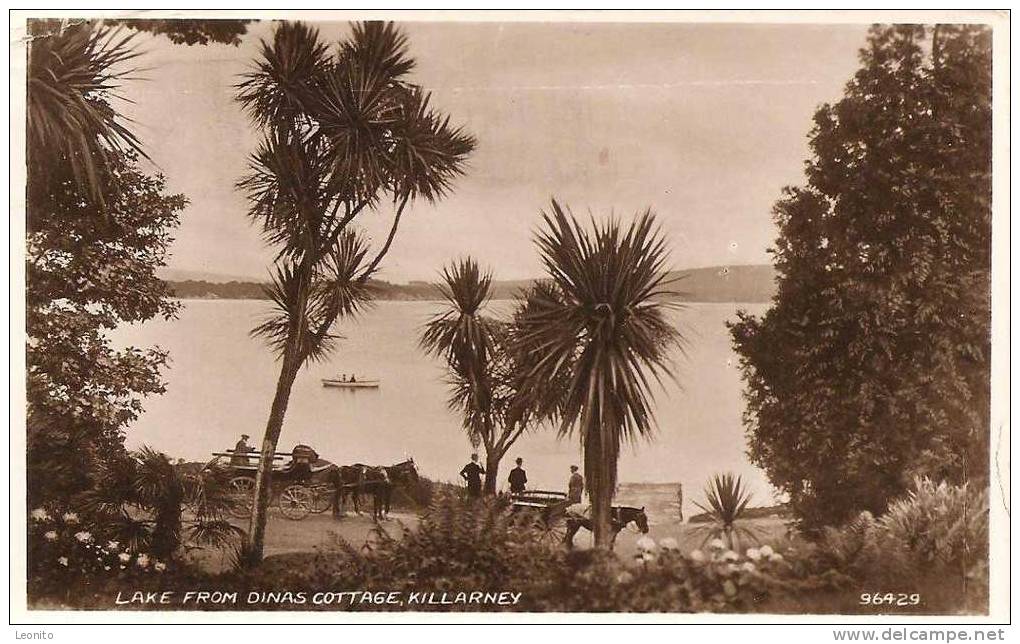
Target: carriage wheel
296	502
242	493
555	533
322	500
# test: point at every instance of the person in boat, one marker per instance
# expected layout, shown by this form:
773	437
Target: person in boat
240	449
353	379
472	474
518	478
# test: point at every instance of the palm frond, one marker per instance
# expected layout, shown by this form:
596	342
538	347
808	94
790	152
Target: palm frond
287	72
74	72
601	325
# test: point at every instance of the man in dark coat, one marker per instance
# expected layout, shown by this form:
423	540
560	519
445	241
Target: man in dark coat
575	486
472	473
518	478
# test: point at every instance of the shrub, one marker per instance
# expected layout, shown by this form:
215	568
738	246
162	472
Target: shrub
67	552
936	537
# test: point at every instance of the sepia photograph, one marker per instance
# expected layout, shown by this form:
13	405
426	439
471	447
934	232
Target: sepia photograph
664	316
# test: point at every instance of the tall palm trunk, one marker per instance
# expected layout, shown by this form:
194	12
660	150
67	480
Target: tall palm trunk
263	480
600	491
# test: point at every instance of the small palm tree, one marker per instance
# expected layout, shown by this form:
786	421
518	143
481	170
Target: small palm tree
484	370
727	498
600	323
143	496
343	133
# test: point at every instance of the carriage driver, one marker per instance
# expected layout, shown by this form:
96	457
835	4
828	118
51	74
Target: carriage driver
241	448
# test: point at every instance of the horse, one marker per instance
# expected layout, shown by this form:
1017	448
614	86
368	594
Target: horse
620	517
380	480
348	480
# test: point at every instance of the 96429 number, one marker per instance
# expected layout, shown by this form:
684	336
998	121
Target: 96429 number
890	599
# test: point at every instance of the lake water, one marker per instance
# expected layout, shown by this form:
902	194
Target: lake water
221	382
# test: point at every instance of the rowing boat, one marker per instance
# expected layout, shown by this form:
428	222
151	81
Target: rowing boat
358	384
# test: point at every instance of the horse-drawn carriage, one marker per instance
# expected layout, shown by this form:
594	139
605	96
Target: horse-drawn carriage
301	486
307	484
559	521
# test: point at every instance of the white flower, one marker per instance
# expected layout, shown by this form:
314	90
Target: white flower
669	543
697	555
748	566
729	555
143	560
51	535
647	556
753	554
112	545
775	556
767	551
62	561
83	536
125	557
159	566
106	567
40	514
716	544
646	544
729	588
71	517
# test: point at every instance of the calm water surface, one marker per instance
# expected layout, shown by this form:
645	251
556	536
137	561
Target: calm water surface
221	383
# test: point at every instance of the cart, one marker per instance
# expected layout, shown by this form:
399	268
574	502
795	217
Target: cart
301	486
547	509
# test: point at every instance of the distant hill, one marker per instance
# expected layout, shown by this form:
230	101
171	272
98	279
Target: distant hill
754	283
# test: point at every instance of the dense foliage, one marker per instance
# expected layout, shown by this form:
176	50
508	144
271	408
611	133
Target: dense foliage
190	31
86	275
872	365
925	557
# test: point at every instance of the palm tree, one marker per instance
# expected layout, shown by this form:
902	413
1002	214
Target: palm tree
600	322
484	371
74	72
343	133
142	496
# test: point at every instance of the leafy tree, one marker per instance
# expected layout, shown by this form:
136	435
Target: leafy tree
485	370
97	228
188	31
872	365
86	276
342	133
600	324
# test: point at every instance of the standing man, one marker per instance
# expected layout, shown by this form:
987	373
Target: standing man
518	478
240	450
575	486
472	473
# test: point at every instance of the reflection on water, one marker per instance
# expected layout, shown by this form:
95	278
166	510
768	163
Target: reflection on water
221	382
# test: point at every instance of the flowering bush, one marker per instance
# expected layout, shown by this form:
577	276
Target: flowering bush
63	551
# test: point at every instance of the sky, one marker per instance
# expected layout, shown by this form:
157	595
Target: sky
704	124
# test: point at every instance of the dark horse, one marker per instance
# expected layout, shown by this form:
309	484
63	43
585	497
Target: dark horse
620	517
347	483
377	480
